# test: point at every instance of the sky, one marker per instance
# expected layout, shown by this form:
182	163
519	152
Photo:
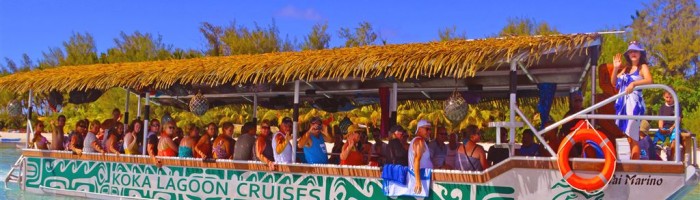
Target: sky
33	26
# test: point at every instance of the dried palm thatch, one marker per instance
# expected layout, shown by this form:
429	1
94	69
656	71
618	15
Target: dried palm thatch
458	59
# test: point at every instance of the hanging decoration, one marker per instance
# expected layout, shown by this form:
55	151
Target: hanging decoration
14	108
199	104
547	91
455	107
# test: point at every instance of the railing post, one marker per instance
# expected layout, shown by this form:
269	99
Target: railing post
29	118
295	121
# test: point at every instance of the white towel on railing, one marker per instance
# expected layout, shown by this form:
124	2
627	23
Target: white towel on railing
395	189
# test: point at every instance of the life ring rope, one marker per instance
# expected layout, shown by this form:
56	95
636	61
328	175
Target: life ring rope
599	182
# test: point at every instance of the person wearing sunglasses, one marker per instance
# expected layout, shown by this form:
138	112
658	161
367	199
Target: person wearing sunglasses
76	137
166	146
39	141
353	153
152	141
419	153
263	146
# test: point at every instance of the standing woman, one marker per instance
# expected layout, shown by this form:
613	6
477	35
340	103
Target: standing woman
627	77
131	146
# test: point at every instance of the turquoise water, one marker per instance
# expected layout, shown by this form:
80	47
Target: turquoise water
9	154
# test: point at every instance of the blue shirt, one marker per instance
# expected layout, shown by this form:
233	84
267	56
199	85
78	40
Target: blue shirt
316	153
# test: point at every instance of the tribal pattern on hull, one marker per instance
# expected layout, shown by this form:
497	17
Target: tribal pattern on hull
175	182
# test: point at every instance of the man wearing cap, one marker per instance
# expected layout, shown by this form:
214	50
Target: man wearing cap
353	152
418	153
314	142
282	143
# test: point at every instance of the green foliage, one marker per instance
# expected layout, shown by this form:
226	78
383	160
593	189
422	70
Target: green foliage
318	38
670	29
137	47
362	36
236	40
526	26
450	33
80	50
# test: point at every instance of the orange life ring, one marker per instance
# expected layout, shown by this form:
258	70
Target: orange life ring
590	184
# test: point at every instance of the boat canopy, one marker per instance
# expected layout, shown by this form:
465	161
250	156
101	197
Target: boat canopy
422	71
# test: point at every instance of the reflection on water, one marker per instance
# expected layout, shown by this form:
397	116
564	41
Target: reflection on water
9	154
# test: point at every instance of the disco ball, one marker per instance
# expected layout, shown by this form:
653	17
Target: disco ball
456	107
198	104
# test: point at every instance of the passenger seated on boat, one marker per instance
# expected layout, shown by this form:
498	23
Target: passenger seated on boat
76	137
337	146
188	142
452	147
282	142
497	154
203	147
472	156
243	150
58	136
152	141
178	135
553	140
131	146
646	146
397	149
223	144
263	146
39	141
667	128
114	139
352	153
529	147
365	146
314	142
438	149
378	148
91	144
166	146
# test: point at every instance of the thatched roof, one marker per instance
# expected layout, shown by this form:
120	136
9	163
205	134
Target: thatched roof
452	59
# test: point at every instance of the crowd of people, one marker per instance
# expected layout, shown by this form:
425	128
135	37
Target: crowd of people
430	148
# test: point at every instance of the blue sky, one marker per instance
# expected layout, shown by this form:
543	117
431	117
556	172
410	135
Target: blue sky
32	26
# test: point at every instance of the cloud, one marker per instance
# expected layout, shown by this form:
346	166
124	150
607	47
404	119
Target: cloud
296	13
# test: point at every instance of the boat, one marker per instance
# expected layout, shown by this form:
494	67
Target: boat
506	70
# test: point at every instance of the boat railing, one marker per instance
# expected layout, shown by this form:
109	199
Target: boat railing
584	114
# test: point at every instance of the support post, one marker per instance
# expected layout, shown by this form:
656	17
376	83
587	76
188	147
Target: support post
255	109
393	104
593	87
29	118
146	115
126	111
295	121
513	81
138	107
